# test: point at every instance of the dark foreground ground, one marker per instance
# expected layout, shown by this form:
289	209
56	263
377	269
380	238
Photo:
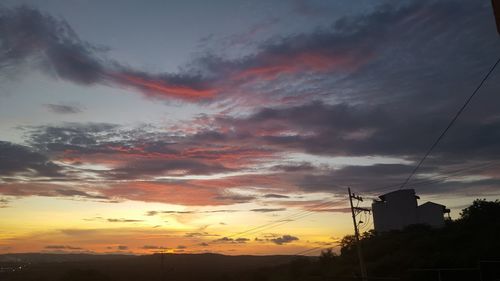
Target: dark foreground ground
54	267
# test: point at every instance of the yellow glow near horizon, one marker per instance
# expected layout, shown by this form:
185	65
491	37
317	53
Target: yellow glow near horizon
31	224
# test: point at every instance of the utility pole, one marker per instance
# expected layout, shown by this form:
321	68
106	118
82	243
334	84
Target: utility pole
354	210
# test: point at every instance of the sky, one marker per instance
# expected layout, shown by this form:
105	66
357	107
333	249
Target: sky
135	127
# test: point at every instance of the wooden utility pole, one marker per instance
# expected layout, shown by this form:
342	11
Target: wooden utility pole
496	11
354	210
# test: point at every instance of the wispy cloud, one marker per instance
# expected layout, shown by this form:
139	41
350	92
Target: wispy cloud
62	247
63	108
268	210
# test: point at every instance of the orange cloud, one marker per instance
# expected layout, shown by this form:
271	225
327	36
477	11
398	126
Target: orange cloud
274	65
152	87
172	193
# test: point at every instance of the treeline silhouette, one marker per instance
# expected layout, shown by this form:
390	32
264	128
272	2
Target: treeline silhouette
465	249
416	253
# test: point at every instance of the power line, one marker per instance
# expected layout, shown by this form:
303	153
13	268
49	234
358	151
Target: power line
306	251
442	175
282	222
287	219
450	124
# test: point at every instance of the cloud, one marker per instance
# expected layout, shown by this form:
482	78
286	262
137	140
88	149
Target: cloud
308	9
199	234
135	169
27	33
62	247
79	232
285	239
49	190
63	109
4	203
173	193
166	86
18	159
154	213
128	157
115	147
72	193
231	196
153	247
240	240
276	196
386	103
123	220
268	210
351	47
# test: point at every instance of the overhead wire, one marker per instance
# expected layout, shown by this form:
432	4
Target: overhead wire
441	175
287	219
450	124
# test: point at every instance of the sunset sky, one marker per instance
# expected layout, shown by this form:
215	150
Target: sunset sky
145	126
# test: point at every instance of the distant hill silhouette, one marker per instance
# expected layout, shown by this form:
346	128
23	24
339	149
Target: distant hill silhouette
189	267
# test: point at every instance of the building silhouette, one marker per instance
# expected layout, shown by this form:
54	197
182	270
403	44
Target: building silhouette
398	209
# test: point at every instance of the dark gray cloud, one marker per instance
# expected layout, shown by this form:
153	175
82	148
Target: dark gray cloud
285	239
240	240
83	138
26	32
63	108
275	196
394	51
349	130
14	187
302	167
16	159
136	169
231	196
